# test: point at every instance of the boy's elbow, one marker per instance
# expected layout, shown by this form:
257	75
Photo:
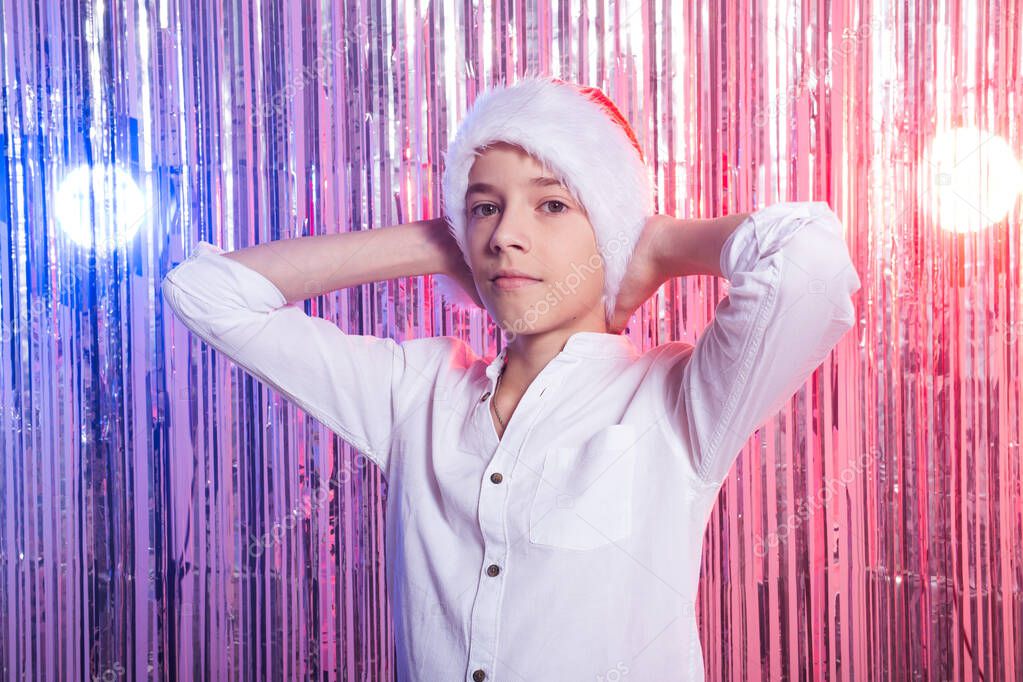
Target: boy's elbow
819	266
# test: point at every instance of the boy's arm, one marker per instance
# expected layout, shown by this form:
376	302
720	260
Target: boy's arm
788	304
305	267
242	304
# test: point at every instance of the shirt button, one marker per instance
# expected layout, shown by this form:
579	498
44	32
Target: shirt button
478	675
496	477
493	569
484	396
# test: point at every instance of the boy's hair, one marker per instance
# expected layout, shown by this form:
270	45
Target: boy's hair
581	136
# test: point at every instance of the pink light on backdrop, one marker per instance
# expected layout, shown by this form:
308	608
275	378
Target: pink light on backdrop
162	514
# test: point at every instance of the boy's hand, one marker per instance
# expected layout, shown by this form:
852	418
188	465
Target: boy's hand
452	263
645	273
460	272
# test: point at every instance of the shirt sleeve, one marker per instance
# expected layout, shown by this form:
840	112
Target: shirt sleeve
789	302
343	380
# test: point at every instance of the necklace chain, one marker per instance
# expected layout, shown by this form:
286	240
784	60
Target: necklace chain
494	399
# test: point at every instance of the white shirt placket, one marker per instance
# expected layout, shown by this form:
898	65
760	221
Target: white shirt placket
493	508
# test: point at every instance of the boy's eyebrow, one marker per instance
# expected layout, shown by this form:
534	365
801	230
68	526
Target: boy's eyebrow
484	188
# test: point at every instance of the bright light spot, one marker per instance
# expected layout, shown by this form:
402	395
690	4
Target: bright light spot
114	213
974	178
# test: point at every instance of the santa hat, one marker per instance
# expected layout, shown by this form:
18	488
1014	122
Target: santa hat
582	137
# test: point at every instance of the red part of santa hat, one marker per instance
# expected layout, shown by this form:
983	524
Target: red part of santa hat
597	95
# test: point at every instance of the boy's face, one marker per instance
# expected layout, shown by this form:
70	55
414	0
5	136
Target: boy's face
540	229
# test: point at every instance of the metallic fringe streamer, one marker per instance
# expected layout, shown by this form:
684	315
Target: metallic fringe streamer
165	516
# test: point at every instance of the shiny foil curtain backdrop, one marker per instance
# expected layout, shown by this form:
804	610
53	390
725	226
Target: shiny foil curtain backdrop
165	516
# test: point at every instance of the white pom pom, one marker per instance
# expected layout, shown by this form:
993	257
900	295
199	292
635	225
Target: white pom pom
453	292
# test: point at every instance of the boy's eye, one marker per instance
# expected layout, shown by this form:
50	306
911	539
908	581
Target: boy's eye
474	212
479	206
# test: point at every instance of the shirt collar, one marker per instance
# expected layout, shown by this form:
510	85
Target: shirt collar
599	345
580	344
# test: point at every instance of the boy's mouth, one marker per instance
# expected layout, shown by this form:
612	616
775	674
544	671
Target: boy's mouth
505	283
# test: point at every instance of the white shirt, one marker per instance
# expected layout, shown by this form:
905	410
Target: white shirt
570	548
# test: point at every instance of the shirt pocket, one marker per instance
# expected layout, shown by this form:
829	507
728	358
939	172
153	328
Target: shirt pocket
584	496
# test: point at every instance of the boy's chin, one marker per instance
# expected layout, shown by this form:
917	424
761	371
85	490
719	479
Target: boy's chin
528	325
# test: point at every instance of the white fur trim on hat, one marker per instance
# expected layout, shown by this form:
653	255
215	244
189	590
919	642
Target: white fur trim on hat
580	142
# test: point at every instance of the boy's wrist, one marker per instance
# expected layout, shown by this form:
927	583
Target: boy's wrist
442	255
677	242
693	246
431	243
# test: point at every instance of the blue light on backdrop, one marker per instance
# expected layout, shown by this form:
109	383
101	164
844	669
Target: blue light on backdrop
105	198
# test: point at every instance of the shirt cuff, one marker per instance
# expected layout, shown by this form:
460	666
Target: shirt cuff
207	275
765	231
